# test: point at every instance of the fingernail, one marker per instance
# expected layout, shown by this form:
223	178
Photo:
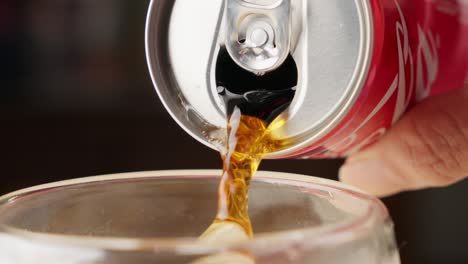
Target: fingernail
372	176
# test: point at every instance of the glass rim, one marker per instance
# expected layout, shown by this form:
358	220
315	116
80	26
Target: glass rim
332	234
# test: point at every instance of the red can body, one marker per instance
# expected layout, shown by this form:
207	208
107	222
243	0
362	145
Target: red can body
420	49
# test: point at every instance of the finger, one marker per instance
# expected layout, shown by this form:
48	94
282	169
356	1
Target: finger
427	148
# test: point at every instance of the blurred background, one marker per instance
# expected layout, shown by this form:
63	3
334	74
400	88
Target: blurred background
76	100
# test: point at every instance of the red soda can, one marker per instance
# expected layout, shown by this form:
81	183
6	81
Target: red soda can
361	64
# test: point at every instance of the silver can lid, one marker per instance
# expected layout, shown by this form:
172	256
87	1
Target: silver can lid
331	42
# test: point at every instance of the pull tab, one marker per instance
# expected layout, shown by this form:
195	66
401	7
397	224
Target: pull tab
258	33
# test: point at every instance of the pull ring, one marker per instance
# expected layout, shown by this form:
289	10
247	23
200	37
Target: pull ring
258	33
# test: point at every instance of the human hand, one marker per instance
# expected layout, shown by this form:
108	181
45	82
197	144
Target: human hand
428	147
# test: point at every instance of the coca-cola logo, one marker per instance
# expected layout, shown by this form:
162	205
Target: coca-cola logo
427	64
410	79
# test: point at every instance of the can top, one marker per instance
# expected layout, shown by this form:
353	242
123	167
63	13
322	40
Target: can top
331	42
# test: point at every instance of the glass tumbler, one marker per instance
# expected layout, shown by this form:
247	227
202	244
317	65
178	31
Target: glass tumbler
157	217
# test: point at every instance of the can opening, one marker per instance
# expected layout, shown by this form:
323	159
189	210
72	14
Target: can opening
263	96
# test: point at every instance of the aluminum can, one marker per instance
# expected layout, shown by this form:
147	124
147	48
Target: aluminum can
362	64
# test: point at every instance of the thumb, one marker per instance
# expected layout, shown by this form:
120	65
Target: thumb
427	148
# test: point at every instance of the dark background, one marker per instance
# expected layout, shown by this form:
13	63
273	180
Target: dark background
76	100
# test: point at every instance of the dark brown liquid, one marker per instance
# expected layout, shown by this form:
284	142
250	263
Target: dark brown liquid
252	103
249	141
